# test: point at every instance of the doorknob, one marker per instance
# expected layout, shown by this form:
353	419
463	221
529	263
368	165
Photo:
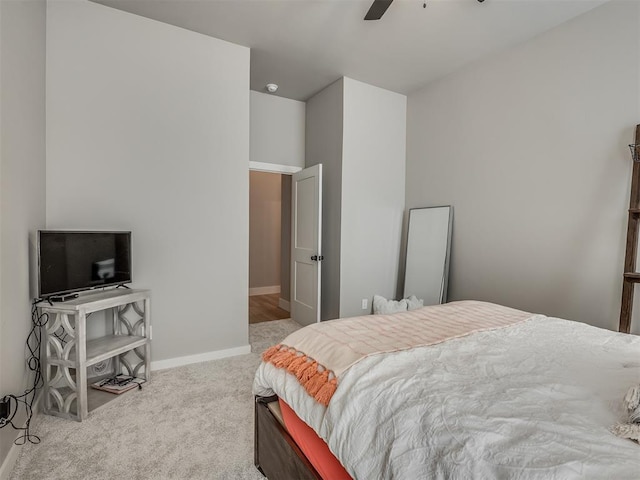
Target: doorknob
317	258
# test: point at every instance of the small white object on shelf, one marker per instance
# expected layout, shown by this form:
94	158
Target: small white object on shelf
118	384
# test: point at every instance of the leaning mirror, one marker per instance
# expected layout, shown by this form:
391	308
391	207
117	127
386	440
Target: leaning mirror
427	257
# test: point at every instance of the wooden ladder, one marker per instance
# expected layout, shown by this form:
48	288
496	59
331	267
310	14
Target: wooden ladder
631	276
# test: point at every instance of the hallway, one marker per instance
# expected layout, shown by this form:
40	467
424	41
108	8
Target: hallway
263	308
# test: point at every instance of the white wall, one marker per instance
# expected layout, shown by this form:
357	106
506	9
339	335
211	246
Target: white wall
373	189
358	132
324	145
22	187
265	205
530	148
277	130
148	131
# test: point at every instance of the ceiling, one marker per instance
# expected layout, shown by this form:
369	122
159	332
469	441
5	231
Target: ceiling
304	45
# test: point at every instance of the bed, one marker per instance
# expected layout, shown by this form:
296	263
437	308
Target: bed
461	390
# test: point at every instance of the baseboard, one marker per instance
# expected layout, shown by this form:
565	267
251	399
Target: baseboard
200	357
264	290
284	304
12	457
9	462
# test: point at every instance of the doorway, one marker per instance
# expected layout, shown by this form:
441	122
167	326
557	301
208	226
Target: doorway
269	246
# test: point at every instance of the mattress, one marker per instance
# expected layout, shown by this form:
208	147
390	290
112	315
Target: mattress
532	400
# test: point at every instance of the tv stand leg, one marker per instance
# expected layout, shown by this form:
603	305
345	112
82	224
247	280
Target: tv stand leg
147	333
81	360
113	312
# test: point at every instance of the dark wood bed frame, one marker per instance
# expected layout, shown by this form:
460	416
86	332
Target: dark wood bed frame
276	454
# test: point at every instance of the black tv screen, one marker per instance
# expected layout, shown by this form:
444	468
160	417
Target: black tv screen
70	261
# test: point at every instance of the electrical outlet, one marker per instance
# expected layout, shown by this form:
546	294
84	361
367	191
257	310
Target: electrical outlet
4	409
365	303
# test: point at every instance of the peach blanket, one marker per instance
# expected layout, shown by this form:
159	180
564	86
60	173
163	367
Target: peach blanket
320	353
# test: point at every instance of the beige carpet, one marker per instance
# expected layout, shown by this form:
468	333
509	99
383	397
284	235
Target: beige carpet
192	422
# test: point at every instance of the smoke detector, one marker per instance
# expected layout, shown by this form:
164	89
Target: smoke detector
272	87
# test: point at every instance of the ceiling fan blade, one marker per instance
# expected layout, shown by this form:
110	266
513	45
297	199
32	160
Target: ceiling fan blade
378	7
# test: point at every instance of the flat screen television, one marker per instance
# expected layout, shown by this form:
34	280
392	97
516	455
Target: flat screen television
72	261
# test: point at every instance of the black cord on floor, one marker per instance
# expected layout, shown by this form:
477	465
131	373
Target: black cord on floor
34	342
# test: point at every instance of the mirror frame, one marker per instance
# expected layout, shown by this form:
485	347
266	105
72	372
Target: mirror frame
445	276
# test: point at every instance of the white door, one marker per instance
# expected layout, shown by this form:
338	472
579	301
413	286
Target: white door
306	247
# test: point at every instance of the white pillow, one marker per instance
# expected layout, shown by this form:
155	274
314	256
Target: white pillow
382	306
414	302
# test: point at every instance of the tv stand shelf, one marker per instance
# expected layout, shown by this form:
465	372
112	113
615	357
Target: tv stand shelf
104	348
67	353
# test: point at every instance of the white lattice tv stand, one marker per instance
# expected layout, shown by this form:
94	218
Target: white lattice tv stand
67	353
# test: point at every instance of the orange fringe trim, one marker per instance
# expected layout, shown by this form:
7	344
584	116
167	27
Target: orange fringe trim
270	352
311	375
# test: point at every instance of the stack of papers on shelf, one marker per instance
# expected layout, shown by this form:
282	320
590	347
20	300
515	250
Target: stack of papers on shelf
118	384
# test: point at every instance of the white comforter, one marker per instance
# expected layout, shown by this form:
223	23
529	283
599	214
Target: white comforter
531	401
